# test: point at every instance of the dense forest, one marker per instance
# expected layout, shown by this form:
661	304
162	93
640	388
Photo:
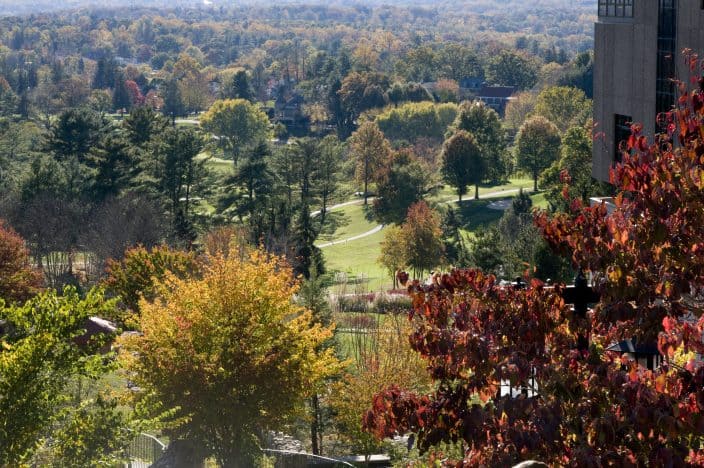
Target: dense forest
82	91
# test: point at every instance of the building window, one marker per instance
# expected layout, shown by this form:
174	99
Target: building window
666	54
616	8
622	132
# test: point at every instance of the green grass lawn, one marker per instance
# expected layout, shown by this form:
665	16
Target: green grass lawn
476	214
349	221
447	193
218	165
539	200
358	260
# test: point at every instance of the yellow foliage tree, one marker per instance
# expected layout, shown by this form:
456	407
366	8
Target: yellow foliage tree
230	354
393	252
382	357
372	153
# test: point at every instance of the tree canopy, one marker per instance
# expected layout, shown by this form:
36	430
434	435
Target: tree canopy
462	163
564	106
537	146
372	154
218	350
484	124
237	122
414	120
40	356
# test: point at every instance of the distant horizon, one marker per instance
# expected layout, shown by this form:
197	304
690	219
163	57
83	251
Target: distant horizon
15	7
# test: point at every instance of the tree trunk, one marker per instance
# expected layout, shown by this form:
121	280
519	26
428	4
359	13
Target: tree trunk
476	191
535	182
459	194
315	432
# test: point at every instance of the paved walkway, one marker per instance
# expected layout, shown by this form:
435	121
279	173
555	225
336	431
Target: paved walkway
339	205
489	195
354	238
381	226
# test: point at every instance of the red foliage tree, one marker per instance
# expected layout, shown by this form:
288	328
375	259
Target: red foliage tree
136	96
19	280
586	406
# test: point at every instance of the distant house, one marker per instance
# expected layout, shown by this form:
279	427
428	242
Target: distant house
496	97
289	110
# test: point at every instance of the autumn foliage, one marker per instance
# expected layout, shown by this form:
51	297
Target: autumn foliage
230	354
585	406
19	280
135	276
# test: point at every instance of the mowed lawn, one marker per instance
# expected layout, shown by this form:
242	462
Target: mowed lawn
217	165
357	259
447	193
350	221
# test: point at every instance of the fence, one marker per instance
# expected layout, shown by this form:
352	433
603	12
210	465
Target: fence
144	450
289	459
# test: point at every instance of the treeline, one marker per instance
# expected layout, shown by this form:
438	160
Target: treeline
56	61
462	20
551	144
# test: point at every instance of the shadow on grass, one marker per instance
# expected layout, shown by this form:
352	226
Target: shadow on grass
334	220
476	214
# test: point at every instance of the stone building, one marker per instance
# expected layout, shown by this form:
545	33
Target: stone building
638	52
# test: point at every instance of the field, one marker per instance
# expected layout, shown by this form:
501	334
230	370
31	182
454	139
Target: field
355	260
349	221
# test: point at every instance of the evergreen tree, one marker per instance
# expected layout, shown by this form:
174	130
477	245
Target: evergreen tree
112	164
455	251
305	255
521	203
143	124
174	173
239	87
173	102
75	132
249	189
120	95
105	74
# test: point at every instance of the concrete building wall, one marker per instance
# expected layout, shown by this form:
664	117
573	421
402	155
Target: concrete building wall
625	70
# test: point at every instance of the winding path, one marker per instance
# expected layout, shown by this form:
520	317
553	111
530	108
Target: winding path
339	205
381	226
489	195
359	236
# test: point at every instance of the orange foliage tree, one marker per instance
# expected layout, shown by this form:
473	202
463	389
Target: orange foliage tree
19	280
